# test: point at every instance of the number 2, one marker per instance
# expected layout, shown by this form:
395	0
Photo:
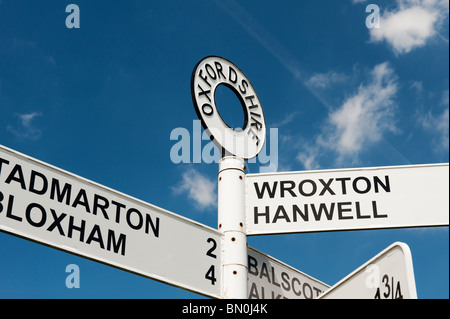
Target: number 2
214	246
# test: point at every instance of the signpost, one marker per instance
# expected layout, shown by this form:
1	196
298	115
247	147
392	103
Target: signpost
56	208
389	275
269	278
348	199
208	75
53	207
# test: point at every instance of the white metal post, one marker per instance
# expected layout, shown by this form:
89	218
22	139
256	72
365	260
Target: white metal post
231	218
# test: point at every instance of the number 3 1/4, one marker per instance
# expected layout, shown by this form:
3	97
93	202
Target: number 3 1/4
391	289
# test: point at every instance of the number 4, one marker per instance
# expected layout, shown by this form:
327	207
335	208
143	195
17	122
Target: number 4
210	275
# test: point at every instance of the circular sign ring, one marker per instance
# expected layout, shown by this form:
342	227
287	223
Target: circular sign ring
208	74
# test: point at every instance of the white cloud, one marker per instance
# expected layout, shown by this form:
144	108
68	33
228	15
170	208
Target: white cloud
445	98
198	188
309	156
438	125
26	128
361	120
288	118
323	80
411	25
417	86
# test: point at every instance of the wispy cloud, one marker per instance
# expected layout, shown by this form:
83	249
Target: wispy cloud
324	80
361	120
411	25
288	118
26	128
200	189
261	34
438	124
269	42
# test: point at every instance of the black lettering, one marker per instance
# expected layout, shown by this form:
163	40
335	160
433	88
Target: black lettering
375	211
264	272
322	208
56	190
3	161
2	197
253	292
118	207
82	200
342	210
149	222
385	186
102	207
265	214
326	187
204	92
140	218
116	245
43	218
17	169
72	227
280	214
56	222
286	284
343	185
232	75
289	188
244	87
317	290
252	104
296	292
355	185
358	212
44	187
274	279
265	187
310	293
253	136
9	212
209	68
207	109
296	210
96	235
204	78
219	69
252	266
313	190
256	123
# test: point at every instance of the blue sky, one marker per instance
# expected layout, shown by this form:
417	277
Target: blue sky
101	101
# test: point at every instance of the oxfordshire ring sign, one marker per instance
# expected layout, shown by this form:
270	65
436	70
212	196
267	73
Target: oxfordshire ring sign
208	75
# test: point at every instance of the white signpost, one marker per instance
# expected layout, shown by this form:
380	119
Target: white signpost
208	75
48	205
348	199
64	211
269	278
389	275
